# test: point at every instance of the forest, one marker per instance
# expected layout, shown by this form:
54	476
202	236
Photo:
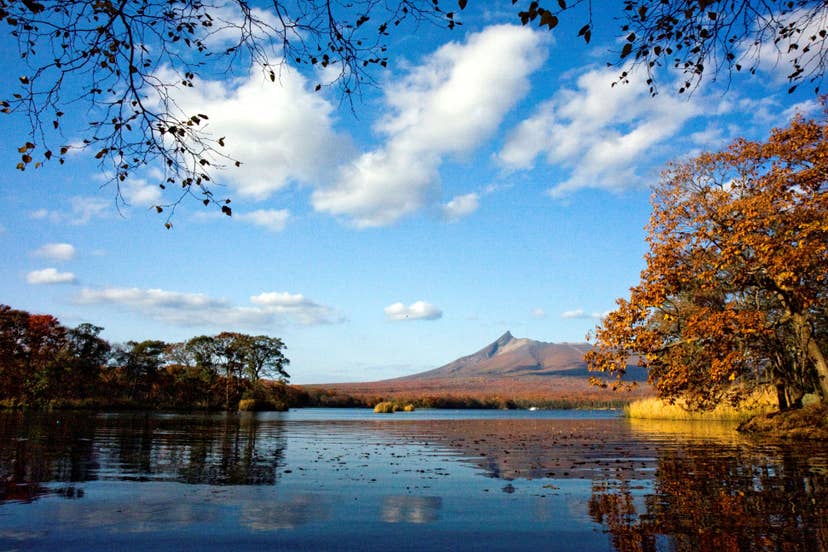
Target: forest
44	364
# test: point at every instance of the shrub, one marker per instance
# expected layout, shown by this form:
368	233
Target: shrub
385	407
258	405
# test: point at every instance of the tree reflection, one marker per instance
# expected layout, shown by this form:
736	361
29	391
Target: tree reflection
38	450
719	498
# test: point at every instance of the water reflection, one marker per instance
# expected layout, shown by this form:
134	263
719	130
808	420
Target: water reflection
719	499
298	510
663	485
411	509
77	447
648	486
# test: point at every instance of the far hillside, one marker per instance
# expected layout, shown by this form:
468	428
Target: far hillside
509	371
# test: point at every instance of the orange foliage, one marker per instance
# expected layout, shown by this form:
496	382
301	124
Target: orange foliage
734	289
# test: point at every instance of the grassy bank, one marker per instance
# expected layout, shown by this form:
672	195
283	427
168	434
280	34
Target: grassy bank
656	409
810	422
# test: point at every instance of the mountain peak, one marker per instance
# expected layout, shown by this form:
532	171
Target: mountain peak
509	356
505	338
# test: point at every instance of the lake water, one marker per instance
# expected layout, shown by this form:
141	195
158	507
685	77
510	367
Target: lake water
325	479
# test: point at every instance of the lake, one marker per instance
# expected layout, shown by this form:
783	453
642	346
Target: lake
343	479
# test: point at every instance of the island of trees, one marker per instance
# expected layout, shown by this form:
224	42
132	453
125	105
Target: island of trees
44	364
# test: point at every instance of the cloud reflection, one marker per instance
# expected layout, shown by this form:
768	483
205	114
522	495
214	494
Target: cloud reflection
411	509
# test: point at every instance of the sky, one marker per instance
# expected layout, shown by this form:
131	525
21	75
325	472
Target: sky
492	180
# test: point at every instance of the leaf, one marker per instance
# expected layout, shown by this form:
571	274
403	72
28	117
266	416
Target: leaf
226	210
562	4
549	20
462	4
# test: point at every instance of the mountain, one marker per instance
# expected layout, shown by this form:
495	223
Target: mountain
511	357
509	367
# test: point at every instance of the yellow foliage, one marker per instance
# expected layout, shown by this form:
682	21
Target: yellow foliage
655	409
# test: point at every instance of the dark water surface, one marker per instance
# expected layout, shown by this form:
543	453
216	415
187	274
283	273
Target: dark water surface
430	480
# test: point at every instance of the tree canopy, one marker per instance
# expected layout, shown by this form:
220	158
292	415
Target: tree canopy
43	363
121	62
734	294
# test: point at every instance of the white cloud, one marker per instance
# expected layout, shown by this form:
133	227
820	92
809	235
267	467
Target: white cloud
775	57
807	108
49	276
296	307
538	313
447	106
270	219
81	211
581	314
461	206
280	131
198	309
137	191
56	251
419	310
600	134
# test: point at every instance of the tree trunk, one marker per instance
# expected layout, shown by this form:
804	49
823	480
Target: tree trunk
802	327
781	396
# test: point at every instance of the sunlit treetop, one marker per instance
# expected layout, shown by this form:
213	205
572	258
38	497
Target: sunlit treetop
734	291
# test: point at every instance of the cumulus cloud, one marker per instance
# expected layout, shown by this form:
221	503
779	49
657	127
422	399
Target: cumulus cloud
296	307
461	206
137	191
49	276
581	314
446	106
273	220
281	132
198	309
600	134
56	251
538	313
419	310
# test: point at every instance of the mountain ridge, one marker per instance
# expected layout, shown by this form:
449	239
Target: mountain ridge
511	368
509	356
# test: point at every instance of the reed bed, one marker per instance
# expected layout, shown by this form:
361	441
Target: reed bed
655	409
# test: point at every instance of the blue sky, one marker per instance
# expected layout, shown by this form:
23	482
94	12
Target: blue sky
493	180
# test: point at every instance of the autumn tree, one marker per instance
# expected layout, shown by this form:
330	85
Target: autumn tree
122	62
734	290
13	325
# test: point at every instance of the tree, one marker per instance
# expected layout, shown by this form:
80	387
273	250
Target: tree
264	358
707	37
87	352
122	61
140	362
13	325
734	290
